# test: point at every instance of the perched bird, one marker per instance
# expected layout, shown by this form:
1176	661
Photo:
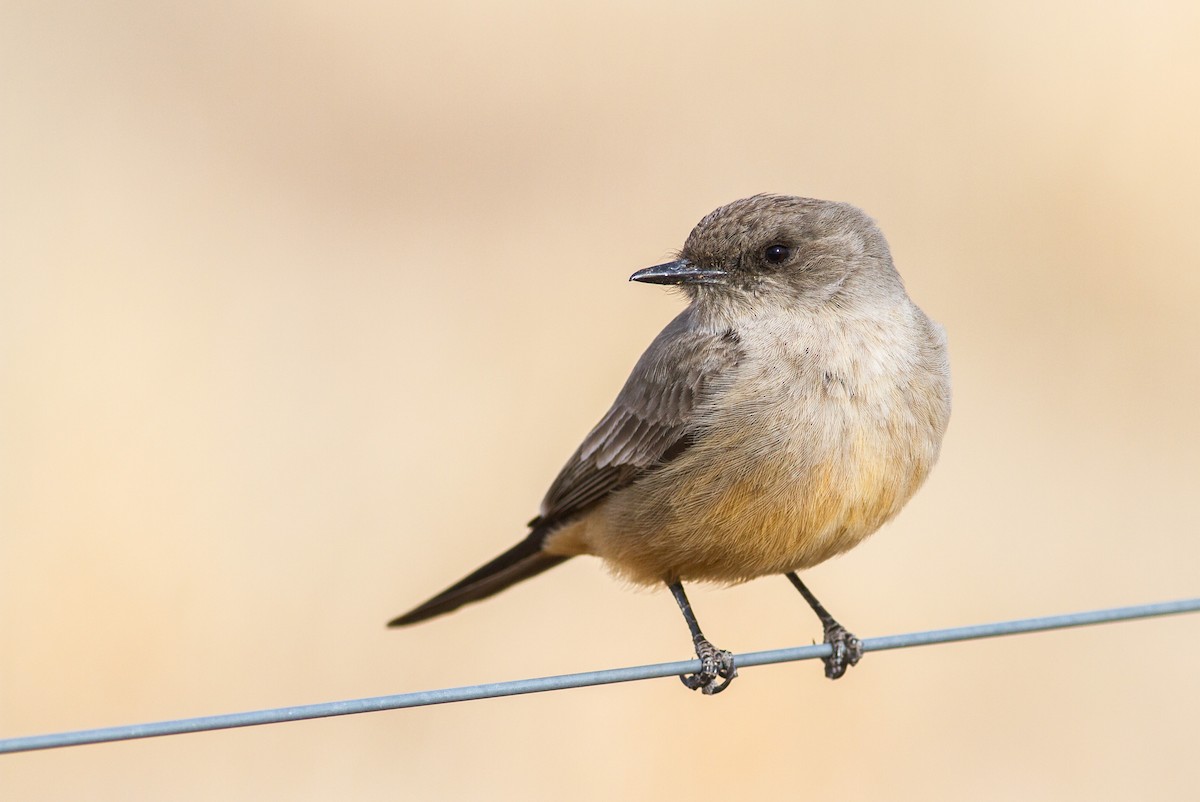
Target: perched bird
788	412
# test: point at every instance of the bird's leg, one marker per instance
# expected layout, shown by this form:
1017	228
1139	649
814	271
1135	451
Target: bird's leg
714	662
847	650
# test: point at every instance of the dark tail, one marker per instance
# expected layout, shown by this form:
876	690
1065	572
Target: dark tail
522	561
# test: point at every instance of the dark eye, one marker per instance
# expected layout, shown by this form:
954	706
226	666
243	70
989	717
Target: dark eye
777	254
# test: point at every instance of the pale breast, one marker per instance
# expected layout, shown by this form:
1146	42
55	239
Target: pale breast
822	433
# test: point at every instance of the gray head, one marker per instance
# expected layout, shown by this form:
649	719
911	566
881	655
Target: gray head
786	249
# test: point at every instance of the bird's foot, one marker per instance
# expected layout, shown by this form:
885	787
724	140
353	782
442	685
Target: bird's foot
714	664
847	650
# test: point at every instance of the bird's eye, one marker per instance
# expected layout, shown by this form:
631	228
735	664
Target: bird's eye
777	254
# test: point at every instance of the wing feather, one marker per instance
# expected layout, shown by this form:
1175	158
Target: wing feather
652	421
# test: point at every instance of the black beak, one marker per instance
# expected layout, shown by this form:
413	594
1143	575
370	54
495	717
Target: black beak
679	272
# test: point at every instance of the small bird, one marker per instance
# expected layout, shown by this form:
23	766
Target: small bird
786	414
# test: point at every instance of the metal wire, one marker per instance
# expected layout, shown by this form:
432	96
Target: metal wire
613	675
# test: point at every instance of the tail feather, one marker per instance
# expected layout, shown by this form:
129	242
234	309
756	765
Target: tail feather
522	561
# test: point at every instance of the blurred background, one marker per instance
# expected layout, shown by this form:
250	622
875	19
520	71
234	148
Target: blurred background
304	305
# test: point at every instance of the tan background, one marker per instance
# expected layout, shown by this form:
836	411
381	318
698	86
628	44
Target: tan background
302	309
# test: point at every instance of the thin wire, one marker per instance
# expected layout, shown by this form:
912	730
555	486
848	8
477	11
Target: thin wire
609	676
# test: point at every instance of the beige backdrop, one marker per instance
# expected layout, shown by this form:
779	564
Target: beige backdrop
302	308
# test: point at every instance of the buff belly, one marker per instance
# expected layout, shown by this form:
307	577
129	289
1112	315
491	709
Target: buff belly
807	496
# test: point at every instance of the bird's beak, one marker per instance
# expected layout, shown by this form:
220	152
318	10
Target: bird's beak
679	272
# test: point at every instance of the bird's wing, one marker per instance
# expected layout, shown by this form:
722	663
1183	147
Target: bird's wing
651	422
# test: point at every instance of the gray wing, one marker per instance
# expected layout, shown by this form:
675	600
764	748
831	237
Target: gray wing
651	422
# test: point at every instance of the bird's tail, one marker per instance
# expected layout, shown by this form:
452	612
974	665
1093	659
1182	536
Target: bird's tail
522	561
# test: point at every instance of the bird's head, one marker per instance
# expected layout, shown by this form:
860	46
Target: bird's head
776	248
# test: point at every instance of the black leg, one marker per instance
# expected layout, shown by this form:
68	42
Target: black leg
714	663
847	651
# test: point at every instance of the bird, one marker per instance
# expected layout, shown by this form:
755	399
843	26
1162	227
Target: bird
789	411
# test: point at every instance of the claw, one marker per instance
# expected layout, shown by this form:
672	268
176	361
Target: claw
714	663
847	651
